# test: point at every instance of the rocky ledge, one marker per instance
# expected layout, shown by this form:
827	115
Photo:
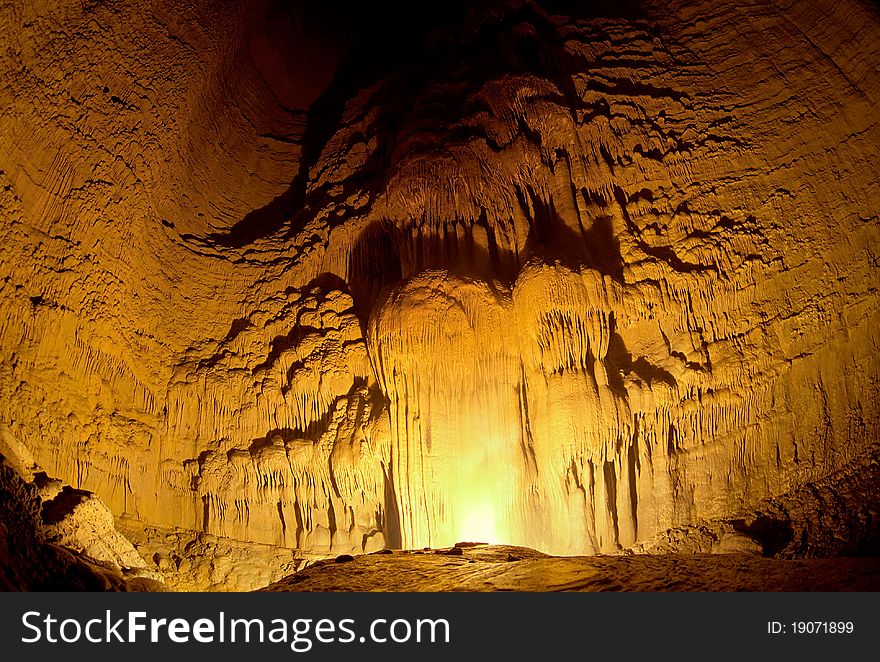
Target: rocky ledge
480	567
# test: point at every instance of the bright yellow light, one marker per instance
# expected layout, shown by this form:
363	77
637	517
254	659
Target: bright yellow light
478	525
478	494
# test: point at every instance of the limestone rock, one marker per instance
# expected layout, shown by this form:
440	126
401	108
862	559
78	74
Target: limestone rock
489	568
833	516
29	562
567	282
737	543
47	522
78	520
195	561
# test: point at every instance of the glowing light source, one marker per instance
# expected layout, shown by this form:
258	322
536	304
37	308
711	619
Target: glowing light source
479	494
478	525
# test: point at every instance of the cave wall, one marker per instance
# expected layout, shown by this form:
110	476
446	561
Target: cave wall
564	281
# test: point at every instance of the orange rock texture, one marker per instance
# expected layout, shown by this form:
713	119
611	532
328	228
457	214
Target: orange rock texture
536	277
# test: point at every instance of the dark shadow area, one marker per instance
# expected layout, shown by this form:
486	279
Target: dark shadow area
326	282
373	265
63	504
630	9
384	255
620	363
28	562
457	40
238	325
393	537
552	238
773	534
603	249
387	39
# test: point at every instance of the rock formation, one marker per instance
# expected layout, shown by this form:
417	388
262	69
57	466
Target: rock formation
542	275
488	568
54	537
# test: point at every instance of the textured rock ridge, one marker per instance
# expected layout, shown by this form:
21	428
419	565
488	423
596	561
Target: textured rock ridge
53	537
567	282
488	568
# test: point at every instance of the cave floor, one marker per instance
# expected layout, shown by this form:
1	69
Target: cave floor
507	568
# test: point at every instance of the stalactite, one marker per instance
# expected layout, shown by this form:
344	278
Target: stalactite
567	303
